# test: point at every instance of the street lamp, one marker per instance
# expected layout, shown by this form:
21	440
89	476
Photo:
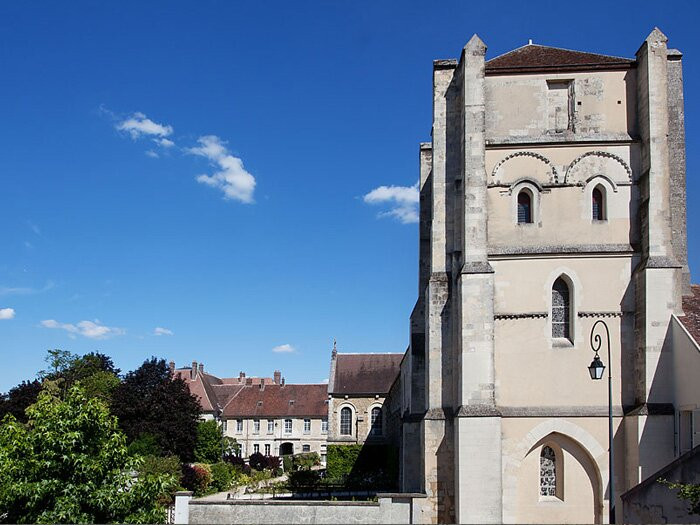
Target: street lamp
596	369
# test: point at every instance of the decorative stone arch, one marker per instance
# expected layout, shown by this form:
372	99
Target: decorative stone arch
576	171
498	177
591	450
608	187
535	190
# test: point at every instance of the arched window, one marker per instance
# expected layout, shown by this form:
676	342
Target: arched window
524	207
548	472
346	421
561	310
376	420
598	204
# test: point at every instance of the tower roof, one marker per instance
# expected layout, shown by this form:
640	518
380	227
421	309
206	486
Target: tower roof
535	57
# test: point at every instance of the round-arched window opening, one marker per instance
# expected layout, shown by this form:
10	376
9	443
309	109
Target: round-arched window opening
346	422
598	204
524	207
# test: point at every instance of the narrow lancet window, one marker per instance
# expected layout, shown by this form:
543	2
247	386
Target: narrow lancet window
524	207
561	310
598	204
548	472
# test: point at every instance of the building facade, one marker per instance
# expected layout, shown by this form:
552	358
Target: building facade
263	414
277	420
552	196
358	385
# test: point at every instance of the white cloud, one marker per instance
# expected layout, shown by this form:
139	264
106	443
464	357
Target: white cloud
324	381
403	200
165	143
89	329
284	349
139	125
152	154
159	330
25	290
232	178
7	313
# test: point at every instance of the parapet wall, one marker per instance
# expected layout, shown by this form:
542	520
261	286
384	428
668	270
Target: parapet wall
389	508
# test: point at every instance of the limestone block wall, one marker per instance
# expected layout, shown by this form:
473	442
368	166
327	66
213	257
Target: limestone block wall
535	370
361	408
388	509
604	106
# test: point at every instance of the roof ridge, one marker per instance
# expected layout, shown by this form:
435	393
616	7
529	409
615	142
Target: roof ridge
560	49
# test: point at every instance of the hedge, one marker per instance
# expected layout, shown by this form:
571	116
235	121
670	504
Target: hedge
362	464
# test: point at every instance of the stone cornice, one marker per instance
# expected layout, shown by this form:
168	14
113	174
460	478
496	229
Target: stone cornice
575	249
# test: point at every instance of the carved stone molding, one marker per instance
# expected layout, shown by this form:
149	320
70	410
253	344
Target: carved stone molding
603	314
553	177
528	315
604	154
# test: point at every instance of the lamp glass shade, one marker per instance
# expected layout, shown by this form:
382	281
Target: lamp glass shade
596	368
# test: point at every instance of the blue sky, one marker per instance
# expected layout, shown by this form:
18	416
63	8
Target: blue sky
125	125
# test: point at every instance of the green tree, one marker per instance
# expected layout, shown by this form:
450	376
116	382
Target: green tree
95	372
150	401
17	400
69	464
210	442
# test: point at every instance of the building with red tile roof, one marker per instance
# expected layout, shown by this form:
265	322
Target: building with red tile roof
263	414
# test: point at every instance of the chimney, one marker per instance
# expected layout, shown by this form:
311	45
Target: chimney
201	368
262	385
278	376
194	369
171	364
241	375
282	382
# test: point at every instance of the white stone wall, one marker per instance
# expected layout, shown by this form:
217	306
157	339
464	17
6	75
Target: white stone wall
397	509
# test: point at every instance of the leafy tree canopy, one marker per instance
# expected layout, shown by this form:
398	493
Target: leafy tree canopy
95	371
210	442
69	464
150	401
17	400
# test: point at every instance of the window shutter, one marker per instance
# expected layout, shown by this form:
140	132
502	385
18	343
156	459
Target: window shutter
696	428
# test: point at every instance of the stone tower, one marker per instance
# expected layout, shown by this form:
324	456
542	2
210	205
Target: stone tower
552	195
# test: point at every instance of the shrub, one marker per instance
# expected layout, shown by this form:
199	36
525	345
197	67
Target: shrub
157	465
362	465
274	463
257	461
197	478
287	463
222	476
305	461
145	445
304	478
